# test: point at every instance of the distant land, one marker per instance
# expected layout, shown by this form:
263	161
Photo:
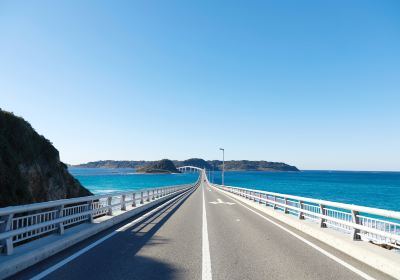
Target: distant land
162	166
231	165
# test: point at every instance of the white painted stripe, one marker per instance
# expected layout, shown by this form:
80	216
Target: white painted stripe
206	260
316	247
101	240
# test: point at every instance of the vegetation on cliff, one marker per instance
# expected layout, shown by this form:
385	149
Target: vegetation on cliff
30	167
162	166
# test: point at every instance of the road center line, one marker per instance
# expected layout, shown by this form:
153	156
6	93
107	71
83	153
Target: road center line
206	260
53	268
316	247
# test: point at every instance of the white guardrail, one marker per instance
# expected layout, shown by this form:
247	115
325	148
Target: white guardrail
362	223
25	223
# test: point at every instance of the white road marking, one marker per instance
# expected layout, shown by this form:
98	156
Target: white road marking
219	201
206	260
101	240
316	247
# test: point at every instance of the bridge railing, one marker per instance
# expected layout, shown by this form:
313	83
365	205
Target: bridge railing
189	168
371	224
25	223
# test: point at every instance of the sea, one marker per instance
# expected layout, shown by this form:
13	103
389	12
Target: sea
366	188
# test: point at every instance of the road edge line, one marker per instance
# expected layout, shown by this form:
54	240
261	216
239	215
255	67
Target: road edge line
316	247
60	264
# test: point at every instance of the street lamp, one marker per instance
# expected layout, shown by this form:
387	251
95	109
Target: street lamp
223	164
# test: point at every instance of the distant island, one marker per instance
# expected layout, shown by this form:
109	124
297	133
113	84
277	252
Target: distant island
30	166
231	165
162	166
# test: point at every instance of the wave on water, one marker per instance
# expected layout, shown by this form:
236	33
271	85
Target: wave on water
99	192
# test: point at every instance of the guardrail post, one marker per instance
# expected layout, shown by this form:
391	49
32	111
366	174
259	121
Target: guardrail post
123	204
90	208
286	209
59	215
148	196
260	199
8	246
301	214
134	200
141	198
322	220
356	220
109	203
274	205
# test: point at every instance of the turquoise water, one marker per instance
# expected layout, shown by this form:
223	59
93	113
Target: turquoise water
374	189
105	180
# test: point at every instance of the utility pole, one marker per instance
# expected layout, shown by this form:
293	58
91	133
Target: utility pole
223	164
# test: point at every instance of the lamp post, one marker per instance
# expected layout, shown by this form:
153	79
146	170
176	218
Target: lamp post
223	164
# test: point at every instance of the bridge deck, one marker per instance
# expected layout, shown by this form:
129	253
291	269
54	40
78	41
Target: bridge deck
168	245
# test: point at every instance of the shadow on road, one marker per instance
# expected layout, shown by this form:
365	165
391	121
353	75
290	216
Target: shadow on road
116	257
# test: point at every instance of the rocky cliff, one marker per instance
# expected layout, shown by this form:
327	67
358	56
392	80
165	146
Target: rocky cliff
30	166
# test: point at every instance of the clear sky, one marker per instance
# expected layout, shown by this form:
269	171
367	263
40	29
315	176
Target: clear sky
315	84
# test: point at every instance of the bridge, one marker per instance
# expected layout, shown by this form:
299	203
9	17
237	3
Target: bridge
198	231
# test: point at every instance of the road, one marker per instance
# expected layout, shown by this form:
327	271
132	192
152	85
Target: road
203	234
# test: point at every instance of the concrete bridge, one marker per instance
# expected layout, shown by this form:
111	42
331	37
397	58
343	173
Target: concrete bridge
198	231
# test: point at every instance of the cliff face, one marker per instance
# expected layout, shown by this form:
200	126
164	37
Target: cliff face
30	166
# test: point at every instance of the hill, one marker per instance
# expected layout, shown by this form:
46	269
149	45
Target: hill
30	166
162	166
247	165
114	164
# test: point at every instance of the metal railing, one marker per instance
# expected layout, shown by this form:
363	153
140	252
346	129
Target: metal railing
189	168
361	223
25	223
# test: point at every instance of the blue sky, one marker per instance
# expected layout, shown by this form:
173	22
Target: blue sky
311	83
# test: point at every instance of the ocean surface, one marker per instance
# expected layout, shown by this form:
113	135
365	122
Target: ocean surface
106	180
374	189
